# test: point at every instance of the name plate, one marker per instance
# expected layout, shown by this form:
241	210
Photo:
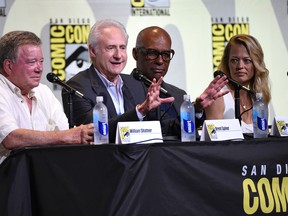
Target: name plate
280	126
220	130
138	132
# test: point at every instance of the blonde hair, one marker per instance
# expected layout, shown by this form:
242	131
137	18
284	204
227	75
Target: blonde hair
260	81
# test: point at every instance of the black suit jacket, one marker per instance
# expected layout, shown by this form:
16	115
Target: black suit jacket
90	85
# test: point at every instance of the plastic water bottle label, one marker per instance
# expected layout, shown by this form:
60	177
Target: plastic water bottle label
188	126
95	119
103	128
262	123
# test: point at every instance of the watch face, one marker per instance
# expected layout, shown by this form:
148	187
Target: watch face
157	3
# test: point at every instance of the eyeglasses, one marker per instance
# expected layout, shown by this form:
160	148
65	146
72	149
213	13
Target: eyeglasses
152	54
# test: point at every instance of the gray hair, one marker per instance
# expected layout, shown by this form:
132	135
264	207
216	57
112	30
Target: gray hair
95	31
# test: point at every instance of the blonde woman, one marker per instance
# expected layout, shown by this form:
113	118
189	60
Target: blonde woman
242	61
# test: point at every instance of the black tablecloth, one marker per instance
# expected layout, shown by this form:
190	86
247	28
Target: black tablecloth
198	178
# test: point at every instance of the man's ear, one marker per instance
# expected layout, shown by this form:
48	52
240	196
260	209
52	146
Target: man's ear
92	51
135	53
7	66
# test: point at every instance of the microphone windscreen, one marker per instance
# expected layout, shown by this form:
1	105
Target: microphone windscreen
50	77
136	74
218	72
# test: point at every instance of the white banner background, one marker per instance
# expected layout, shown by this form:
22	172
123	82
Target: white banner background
189	25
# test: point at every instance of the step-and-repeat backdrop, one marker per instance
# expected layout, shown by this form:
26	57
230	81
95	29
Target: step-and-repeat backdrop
199	30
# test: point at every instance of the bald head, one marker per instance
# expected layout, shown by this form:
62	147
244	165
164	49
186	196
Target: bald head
152	34
153	52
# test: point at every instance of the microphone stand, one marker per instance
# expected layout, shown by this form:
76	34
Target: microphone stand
237	88
70	109
237	102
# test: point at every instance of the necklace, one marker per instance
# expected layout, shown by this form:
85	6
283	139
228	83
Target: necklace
246	108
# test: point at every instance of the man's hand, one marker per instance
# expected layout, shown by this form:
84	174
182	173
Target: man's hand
152	98
211	93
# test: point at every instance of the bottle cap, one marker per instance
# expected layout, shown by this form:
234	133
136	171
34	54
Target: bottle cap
99	99
259	95
186	97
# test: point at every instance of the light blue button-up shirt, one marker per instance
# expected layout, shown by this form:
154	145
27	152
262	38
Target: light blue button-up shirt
116	94
115	91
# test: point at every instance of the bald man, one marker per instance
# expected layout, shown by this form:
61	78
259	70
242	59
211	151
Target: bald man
153	54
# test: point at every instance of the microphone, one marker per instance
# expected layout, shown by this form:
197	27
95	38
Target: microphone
141	77
51	77
233	82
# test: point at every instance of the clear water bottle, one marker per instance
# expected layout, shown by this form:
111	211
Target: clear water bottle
187	118
260	117
100	120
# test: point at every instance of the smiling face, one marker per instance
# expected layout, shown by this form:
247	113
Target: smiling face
110	54
240	64
25	72
152	41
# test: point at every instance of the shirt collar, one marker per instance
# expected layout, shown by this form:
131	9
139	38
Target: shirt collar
108	83
14	89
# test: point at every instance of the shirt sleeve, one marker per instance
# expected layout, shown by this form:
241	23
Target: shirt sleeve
8	122
57	119
139	115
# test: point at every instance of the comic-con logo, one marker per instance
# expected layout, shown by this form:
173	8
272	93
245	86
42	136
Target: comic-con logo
125	134
212	131
282	128
266	194
150	7
68	50
222	32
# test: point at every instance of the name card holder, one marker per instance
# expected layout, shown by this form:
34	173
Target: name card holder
220	130
279	126
138	132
